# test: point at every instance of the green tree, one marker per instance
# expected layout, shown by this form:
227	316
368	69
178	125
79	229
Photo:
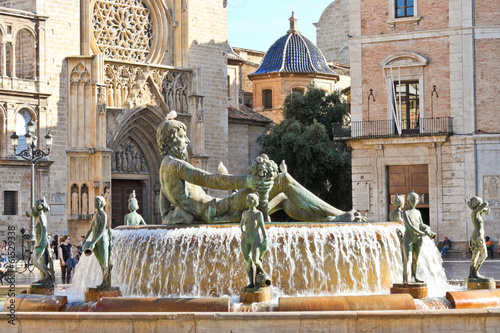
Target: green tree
304	139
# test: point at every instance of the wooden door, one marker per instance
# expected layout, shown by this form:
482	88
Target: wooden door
402	179
120	191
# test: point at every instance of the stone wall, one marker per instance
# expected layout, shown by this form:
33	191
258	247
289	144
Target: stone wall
488	90
46	98
488	182
332	32
62	40
27	5
238	146
437	72
208	59
243	145
452	166
486	13
378	18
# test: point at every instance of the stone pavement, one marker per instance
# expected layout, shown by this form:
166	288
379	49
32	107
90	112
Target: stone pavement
459	269
27	277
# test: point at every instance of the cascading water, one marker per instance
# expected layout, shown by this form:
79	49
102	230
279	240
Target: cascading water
302	260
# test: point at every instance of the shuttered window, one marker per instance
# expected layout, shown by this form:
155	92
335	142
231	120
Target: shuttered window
9	203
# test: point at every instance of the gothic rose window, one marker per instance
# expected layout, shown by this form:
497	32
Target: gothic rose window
122	29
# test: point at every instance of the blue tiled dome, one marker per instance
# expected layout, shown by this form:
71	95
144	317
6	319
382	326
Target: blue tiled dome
294	53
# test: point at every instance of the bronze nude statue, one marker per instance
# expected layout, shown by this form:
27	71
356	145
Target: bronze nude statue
133	218
477	243
182	185
101	243
397	213
41	257
254	243
411	242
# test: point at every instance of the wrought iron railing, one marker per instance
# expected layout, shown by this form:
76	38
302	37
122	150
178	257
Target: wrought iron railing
388	129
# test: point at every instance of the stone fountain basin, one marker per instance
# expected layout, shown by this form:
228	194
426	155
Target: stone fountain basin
470	320
467	299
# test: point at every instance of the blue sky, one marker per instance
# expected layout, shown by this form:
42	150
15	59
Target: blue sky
256	24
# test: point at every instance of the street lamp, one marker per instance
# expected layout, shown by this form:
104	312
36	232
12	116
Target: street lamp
33	155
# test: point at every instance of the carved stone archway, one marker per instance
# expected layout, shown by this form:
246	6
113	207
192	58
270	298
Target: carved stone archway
136	157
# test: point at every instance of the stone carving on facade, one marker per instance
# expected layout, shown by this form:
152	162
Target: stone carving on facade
122	29
128	158
127	86
107	196
145	96
101	99
79	74
85	203
492	190
74	203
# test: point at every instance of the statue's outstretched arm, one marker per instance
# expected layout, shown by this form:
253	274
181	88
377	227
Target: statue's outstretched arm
199	177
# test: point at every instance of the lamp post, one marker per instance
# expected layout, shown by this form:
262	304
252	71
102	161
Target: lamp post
33	155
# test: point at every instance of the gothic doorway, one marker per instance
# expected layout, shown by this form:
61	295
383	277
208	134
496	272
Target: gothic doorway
119	198
406	178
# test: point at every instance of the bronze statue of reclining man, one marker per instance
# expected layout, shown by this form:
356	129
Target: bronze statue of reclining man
182	185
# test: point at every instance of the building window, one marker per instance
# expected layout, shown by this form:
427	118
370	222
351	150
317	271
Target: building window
267	99
9	203
407	102
228	86
404	8
298	90
22	119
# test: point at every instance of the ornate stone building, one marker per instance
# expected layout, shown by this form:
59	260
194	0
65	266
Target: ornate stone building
424	109
101	75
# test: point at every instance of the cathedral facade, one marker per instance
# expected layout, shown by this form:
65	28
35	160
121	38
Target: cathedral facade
100	76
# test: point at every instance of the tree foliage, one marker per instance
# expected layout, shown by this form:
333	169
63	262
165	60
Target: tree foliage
304	139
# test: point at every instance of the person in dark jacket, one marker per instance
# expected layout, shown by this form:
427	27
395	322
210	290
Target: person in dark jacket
64	255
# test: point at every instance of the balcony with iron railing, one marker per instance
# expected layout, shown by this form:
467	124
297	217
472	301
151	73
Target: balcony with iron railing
388	129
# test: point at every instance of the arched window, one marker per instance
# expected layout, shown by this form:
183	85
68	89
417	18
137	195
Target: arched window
25	55
22	119
298	90
404	76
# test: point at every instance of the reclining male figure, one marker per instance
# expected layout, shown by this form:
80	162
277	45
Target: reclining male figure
181	185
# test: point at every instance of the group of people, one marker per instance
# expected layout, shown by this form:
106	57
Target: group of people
487	241
62	250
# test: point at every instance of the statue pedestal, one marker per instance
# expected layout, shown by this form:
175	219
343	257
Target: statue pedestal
38	288
416	290
94	294
259	295
477	283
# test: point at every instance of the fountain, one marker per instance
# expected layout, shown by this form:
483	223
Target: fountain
303	260
339	265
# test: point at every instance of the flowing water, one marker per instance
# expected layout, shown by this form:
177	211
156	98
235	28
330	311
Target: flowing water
302	260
